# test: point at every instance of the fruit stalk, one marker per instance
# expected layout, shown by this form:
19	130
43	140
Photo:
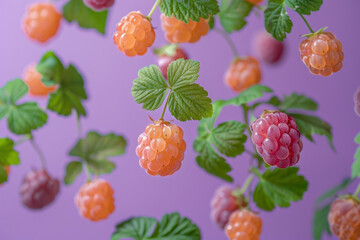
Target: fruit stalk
153	9
79	127
247	183
306	22
163	112
38	151
23	139
228	40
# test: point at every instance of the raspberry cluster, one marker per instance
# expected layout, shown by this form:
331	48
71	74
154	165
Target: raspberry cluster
344	219
277	139
33	80
99	5
243	73
134	34
39	189
357	101
41	21
244	225
177	31
165	60
95	200
267	48
322	53
161	148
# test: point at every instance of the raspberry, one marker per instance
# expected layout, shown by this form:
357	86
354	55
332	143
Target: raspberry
357	101
267	48
134	34
161	148
164	60
41	22
33	79
277	139
243	73
255	2
39	189
244	225
95	200
344	219
177	31
99	5
322	53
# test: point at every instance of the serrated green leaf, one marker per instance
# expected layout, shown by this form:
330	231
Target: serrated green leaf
73	170
320	222
277	21
185	10
12	92
279	187
150	88
8	154
3	175
76	10
51	69
331	193
304	6
138	228
298	101
182	72
233	13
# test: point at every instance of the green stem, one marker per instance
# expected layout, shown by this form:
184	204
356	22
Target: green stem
228	40
23	139
153	9
163	112
306	22
357	192
38	151
79	127
247	184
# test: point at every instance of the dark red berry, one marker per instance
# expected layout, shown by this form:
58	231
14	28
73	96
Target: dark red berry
267	48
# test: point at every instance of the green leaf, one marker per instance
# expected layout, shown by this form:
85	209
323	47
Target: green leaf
357	139
304	6
185	10
320	222
8	155
356	165
233	13
99	167
138	228
73	170
12	92
277	21
3	175
51	69
167	50
298	101
331	193
182	72
279	187
211	22
150	88
76	10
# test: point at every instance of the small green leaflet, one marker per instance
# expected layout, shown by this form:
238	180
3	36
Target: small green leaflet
51	69
73	170
298	101
167	50
8	157
304	6
185	10
22	118
331	193
279	187
172	226
356	165
277	21
75	10
3	174
233	13
320	222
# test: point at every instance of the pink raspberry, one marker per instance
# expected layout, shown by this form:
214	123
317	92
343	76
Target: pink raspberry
277	139
267	48
99	5
357	101
165	60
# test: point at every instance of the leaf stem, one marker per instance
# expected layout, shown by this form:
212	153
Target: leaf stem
79	127
38	151
357	192
306	22
247	183
153	9
23	139
163	112
228	40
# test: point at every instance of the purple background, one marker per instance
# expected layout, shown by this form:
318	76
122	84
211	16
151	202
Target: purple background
109	76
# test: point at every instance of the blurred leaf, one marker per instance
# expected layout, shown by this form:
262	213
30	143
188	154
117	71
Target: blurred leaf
8	156
356	165
3	175
331	193
298	101
51	69
73	170
211	22
233	13
167	50
138	228
320	222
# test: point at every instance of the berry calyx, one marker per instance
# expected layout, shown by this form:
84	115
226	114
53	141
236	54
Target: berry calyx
243	73
277	139
322	53
99	5
33	80
41	21
177	31
344	218
243	225
134	34
357	102
39	189
267	48
161	148
165	58
95	200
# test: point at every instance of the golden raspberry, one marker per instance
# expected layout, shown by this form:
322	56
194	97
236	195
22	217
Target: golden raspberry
134	34
161	148
344	219
177	31
33	79
322	53
244	225
95	200
41	21
243	73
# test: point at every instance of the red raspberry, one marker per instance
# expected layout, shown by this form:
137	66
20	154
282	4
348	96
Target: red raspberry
95	200
223	205
33	79
244	225
161	148
267	48
277	139
255	2
344	219
134	34
99	5
165	60
357	101
243	73
177	31
39	189
41	22
322	53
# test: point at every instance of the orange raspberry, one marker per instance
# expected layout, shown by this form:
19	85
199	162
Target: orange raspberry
322	53
177	31
33	79
344	219
244	225
243	73
255	2
95	200
161	148
41	21
134	34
